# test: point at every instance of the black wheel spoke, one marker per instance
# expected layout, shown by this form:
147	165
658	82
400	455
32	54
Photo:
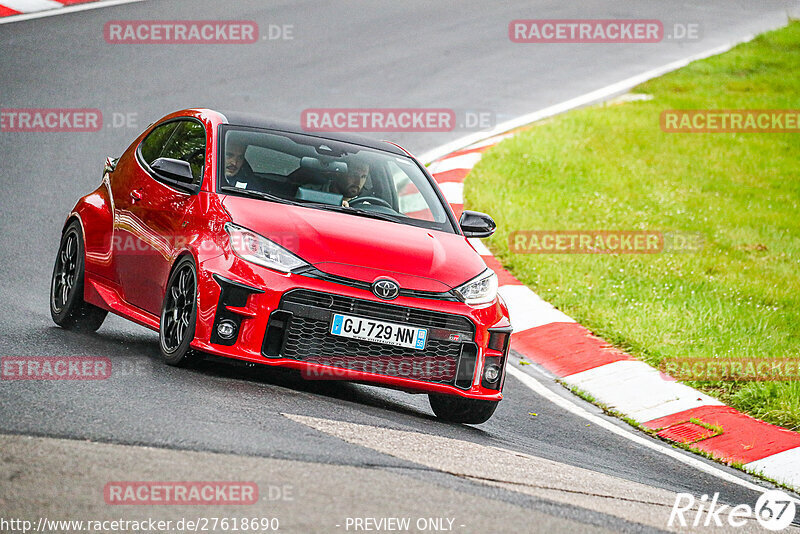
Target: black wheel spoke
66	271
169	334
182	282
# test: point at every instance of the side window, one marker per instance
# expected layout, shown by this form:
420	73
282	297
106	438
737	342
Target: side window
154	143
188	143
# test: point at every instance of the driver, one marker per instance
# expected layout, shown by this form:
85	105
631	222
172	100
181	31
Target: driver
236	172
351	184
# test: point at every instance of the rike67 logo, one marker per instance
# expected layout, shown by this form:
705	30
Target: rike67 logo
774	510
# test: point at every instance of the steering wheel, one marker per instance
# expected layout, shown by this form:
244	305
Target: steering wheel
362	200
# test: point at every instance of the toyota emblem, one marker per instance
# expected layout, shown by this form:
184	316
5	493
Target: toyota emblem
385	289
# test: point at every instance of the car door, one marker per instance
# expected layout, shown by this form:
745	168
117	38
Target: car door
153	213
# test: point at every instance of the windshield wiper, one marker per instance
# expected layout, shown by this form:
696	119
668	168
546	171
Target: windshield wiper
360	212
373	214
254	194
355	211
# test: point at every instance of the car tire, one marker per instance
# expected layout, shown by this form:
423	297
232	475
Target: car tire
179	315
67	307
460	410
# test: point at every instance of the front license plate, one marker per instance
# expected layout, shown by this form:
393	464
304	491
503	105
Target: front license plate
379	332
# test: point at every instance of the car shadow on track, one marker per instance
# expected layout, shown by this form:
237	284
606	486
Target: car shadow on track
352	392
137	353
293	380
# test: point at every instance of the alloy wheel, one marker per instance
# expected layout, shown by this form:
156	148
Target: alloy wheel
66	272
178	309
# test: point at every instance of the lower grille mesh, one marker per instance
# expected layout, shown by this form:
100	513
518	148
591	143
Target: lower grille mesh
308	339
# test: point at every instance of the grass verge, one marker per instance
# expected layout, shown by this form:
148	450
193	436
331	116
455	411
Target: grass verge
611	167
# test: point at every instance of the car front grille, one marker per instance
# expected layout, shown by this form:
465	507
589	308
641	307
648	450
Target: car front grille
448	357
378	310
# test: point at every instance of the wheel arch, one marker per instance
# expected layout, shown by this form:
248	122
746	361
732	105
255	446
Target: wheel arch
185	253
93	213
72	217
182	354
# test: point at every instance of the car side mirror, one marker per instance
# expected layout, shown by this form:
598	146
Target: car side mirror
111	164
174	169
476	224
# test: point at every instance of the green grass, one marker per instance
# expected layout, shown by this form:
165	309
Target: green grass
612	168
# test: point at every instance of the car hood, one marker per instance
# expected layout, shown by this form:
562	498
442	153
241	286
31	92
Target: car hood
362	248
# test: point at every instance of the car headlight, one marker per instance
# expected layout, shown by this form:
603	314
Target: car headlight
479	290
256	248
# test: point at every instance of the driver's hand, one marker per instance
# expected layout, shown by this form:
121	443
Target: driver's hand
345	203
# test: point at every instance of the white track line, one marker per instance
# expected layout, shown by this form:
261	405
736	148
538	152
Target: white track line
62	10
492	141
783	466
578	101
464	161
30	6
453	192
638	390
647	442
528	310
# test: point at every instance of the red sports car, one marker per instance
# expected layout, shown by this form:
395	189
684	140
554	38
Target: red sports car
248	238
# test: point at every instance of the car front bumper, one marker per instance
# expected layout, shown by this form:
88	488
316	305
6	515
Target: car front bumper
284	320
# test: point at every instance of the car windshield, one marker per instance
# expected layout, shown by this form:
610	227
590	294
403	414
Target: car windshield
328	174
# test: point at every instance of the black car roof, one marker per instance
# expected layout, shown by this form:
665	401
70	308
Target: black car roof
236	118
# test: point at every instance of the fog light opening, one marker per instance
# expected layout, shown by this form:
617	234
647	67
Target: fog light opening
226	329
492	373
499	341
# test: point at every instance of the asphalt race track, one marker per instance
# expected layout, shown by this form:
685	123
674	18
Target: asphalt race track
345	450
